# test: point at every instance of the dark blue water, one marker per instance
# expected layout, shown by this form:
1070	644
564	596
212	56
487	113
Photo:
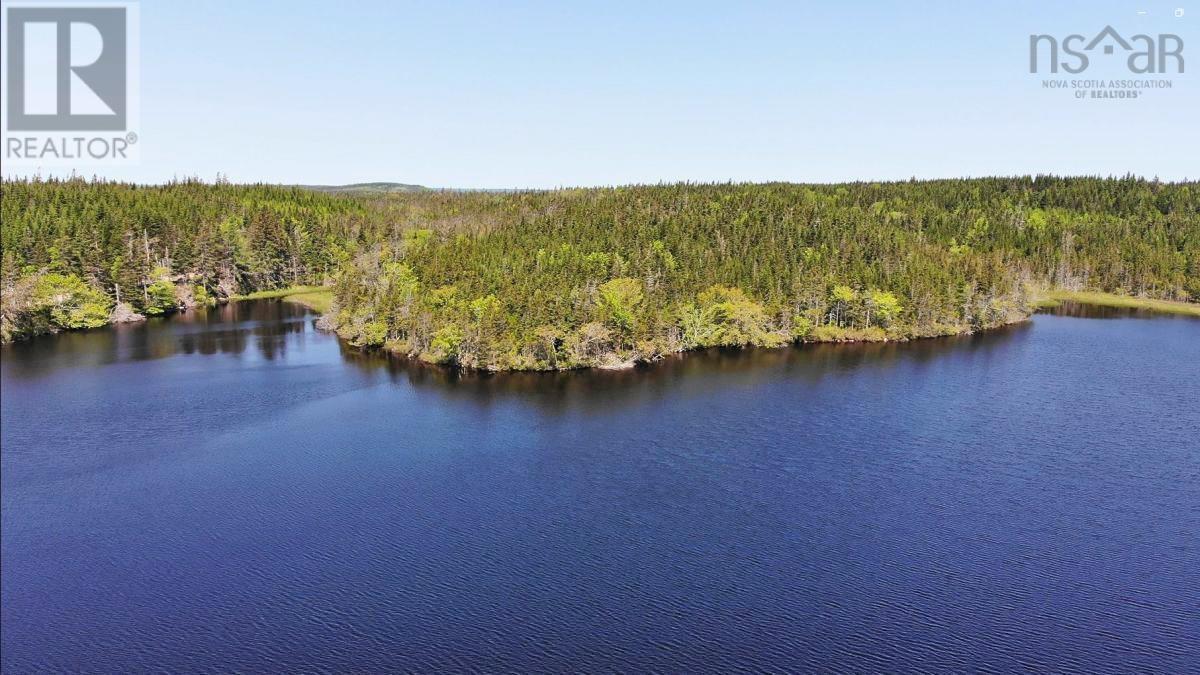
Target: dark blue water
239	492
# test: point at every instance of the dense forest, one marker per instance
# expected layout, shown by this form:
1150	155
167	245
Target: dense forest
603	276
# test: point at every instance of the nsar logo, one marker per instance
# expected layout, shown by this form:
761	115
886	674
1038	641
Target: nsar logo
1146	54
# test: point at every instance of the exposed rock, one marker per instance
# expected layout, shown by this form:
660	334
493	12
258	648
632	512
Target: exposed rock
227	285
185	296
124	313
614	362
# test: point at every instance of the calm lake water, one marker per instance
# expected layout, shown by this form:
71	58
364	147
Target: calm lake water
237	491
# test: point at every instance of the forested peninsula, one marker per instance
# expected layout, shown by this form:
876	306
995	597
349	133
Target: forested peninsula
598	277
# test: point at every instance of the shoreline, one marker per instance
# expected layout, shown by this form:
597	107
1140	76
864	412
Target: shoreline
1053	299
319	299
615	362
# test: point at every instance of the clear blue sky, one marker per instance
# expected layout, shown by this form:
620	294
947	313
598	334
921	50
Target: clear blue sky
493	94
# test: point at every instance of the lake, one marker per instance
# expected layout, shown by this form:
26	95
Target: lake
234	490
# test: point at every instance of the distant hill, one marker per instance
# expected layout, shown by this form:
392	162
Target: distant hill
361	188
382	188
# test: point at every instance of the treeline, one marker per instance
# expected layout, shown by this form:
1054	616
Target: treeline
607	276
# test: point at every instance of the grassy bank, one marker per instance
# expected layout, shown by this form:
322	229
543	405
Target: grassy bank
318	301
316	298
1052	299
280	293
